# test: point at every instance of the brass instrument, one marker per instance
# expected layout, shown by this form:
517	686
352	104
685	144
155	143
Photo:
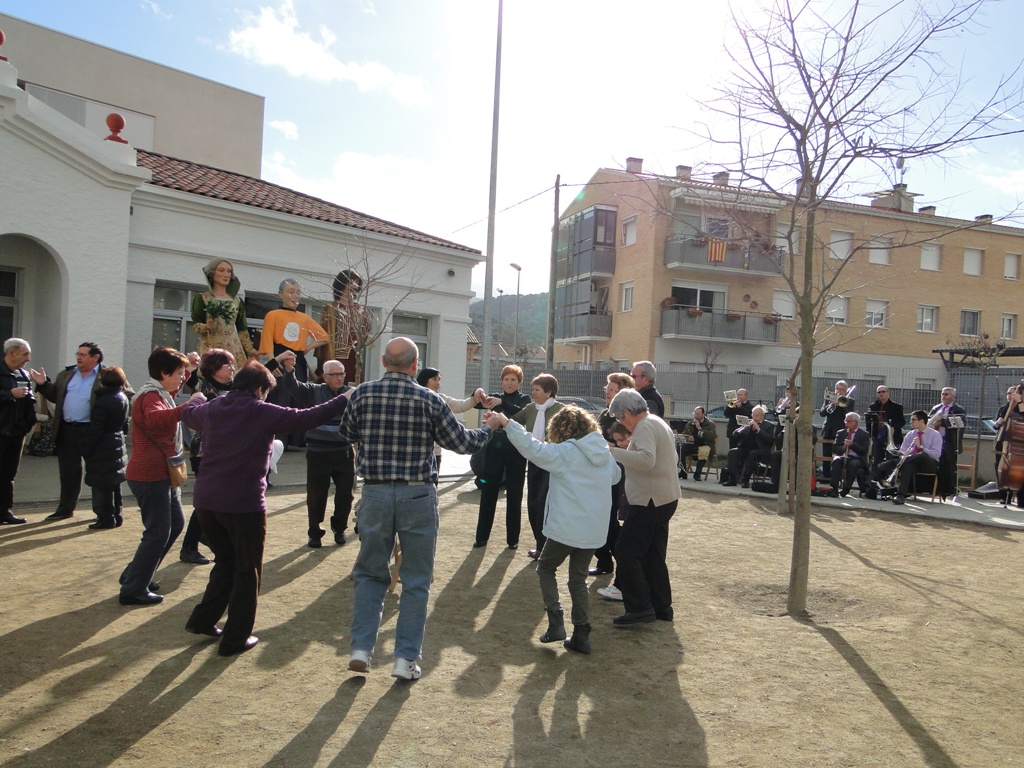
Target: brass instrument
890	481
936	421
890	444
843	401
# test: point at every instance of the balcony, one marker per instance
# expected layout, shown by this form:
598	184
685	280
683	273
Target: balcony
594	326
726	325
690	252
599	262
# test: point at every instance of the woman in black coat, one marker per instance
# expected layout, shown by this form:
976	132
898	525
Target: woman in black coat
103	447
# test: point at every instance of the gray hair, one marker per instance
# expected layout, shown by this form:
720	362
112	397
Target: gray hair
646	368
758	408
15	343
843	382
853	415
627	400
950	389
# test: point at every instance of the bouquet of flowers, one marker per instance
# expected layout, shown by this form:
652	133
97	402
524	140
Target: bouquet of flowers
223	310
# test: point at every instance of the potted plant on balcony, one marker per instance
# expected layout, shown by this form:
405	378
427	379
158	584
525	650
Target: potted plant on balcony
772	319
732	315
668	303
695	311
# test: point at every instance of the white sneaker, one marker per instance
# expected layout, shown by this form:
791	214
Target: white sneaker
610	592
359	661
406	669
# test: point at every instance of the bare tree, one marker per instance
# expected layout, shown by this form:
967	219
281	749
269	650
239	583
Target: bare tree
389	281
825	94
711	353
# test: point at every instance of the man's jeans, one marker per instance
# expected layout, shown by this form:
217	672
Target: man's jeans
384	511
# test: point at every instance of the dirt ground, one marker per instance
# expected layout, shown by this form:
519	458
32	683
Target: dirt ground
912	656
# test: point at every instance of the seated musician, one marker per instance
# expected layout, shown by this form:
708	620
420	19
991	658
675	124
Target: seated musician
921	450
753	445
699	439
849	456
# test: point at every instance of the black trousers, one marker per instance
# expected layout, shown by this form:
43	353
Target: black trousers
10	458
509	462
537	482
642	573
854	471
237	542
919	462
69	464
322	469
605	553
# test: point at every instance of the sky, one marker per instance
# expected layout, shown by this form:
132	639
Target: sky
386	106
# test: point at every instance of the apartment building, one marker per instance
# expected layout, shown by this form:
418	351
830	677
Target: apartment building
677	270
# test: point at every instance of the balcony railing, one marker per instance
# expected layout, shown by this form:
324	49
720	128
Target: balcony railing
595	326
599	262
680	321
690	252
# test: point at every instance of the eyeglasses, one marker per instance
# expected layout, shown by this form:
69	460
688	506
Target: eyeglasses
334	374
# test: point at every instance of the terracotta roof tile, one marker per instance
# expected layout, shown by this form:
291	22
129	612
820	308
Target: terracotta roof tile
197	179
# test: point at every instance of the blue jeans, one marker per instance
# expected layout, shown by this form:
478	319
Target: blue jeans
384	511
162	521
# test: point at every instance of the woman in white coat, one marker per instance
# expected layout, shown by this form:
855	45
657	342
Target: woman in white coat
575	522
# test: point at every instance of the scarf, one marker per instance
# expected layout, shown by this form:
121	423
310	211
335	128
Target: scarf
539	425
152	385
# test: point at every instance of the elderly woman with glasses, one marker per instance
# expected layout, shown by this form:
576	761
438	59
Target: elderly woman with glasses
652	491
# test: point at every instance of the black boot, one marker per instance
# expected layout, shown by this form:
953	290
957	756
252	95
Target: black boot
580	640
698	473
556	627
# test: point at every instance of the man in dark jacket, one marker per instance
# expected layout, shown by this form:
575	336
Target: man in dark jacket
73	395
328	457
753	445
643	373
849	456
17	416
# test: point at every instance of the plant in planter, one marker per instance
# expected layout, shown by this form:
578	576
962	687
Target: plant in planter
734	315
695	311
772	319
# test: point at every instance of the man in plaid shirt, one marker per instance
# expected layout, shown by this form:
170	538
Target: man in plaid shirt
396	423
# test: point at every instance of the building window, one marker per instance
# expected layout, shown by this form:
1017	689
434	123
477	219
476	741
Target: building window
880	250
783	304
604	227
927	319
930	257
840	244
782	239
970	322
1009	327
837	310
973	258
877	311
629	231
626	298
8	302
717	228
1011	266
415	328
706	296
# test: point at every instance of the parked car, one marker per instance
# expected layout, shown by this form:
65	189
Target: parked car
583	402
988	426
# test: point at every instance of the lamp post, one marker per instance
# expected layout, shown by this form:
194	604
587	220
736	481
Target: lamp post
515	343
500	294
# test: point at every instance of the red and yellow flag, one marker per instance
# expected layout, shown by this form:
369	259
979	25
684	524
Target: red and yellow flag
716	250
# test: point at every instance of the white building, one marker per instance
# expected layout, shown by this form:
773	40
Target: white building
103	241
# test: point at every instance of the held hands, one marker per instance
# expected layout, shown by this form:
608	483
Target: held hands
193	361
491	402
495	420
198	396
480	396
286	360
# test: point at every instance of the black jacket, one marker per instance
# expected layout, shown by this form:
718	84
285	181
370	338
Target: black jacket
861	444
892	414
17	414
103	444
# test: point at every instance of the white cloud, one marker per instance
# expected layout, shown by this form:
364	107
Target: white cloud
149	5
286	127
274	39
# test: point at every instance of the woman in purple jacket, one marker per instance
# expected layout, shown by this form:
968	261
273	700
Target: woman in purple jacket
238	432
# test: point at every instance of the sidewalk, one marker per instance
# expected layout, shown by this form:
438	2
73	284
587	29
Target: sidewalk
36	487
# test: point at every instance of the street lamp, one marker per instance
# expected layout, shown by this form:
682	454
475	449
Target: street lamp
500	294
519	274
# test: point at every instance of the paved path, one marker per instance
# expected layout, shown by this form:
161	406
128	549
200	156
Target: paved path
37	488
